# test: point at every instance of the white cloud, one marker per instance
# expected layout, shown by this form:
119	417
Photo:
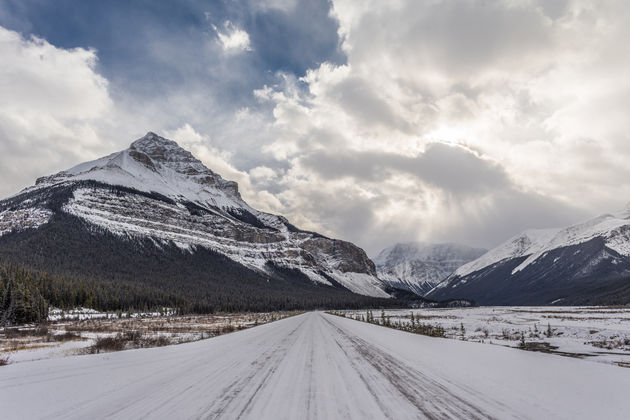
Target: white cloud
525	100
542	91
51	100
263	174
231	38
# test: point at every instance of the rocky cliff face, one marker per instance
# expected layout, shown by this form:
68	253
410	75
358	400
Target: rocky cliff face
156	189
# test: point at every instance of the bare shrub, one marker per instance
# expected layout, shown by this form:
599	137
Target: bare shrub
116	343
428	329
66	336
4	359
158	341
23	332
40	331
227	329
133	335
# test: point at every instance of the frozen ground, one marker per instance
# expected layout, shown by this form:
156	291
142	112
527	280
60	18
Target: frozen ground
316	366
599	334
82	331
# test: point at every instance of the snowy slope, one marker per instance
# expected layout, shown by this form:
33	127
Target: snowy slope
418	266
526	243
186	203
587	259
614	229
316	366
155	164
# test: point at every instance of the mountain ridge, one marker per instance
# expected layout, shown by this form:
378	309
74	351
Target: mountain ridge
585	263
158	192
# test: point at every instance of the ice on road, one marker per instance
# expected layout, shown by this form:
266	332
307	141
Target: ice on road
316	366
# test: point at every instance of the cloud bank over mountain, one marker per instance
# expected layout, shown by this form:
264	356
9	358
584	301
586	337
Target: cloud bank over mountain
377	122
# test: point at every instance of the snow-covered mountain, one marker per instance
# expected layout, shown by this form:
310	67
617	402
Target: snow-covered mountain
418	266
585	263
157	190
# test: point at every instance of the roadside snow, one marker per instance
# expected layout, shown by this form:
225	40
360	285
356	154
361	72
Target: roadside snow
316	366
596	334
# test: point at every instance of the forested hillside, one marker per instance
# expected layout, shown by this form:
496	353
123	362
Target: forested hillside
68	263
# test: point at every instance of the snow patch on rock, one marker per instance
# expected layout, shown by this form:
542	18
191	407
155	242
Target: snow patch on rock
26	218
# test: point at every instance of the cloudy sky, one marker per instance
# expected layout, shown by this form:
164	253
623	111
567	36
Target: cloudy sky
372	121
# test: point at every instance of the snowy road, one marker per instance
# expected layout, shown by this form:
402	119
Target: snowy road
316	366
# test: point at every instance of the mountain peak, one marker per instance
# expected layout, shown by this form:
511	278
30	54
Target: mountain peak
419	266
151	140
155	151
164	150
153	163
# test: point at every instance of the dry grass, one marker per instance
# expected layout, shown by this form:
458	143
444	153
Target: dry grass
29	338
127	340
14	346
21	332
115	334
63	337
613	343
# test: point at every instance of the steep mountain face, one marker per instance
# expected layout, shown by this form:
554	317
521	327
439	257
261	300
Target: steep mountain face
156	195
418	267
587	263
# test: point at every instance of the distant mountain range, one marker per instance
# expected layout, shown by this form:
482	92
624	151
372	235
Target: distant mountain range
152	226
584	264
153	216
418	266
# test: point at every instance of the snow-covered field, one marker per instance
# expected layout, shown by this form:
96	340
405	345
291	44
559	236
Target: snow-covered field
597	334
84	331
316	366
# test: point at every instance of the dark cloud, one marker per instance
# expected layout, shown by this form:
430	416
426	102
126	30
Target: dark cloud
451	168
296	40
361	101
484	205
456	36
506	213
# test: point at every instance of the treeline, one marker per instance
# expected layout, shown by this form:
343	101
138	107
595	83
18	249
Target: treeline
20	298
26	296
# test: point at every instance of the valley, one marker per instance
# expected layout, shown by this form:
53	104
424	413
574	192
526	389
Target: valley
315	210
316	366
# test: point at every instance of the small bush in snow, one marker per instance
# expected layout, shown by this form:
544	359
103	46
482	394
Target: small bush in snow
4	359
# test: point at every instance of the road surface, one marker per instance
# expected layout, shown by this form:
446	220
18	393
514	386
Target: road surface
316	366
